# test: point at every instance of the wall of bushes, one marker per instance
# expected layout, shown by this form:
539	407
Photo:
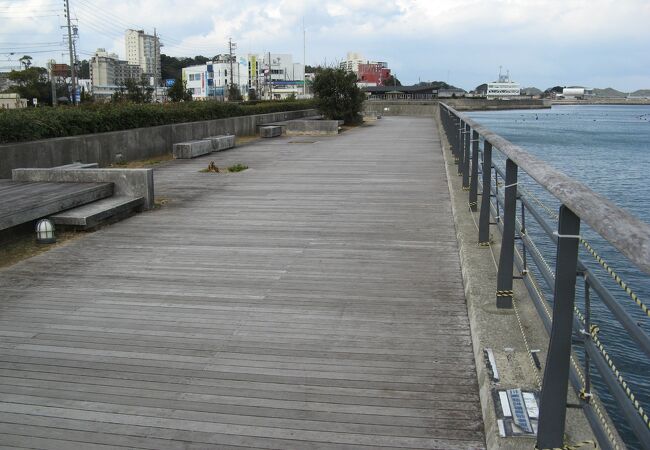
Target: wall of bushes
19	125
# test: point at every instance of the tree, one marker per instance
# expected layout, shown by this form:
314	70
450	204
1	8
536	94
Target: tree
134	91
481	89
179	92
391	81
31	83
84	69
26	61
234	95
337	95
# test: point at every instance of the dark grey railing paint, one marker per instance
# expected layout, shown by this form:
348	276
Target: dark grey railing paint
578	203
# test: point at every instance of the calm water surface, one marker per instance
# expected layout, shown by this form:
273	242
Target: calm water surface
608	149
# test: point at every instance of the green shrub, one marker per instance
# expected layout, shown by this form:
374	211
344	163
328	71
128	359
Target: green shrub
18	125
337	95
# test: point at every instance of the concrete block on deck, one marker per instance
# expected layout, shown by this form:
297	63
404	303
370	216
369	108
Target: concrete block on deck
222	142
102	211
131	183
270	131
192	149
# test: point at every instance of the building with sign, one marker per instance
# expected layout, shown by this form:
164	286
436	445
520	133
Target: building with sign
212	80
369	73
275	76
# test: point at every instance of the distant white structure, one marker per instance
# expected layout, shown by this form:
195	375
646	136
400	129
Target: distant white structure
504	88
12	101
143	50
577	92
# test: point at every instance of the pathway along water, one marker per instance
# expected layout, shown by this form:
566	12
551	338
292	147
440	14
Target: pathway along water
608	149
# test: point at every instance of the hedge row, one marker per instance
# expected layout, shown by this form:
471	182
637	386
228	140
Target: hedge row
18	125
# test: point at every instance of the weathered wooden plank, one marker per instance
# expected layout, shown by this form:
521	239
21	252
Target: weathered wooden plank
314	301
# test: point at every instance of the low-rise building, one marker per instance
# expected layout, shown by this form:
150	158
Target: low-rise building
503	88
12	101
212	80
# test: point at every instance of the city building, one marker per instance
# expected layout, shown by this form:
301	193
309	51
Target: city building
369	73
212	80
275	76
503	88
144	50
108	73
12	101
372	74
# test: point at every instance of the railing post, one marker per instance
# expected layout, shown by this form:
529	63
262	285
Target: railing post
473	186
556	374
461	144
506	259
484	219
466	134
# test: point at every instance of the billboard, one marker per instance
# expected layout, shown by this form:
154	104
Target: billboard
170	82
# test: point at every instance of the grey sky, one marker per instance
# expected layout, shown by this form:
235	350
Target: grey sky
597	43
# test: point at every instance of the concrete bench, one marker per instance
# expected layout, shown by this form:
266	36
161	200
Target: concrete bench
222	142
312	127
102	211
192	149
270	131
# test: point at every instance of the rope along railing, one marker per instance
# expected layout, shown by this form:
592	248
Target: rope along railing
498	182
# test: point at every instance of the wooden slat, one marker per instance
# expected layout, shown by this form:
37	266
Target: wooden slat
314	301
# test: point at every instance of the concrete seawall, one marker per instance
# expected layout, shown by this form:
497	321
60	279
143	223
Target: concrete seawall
426	108
134	144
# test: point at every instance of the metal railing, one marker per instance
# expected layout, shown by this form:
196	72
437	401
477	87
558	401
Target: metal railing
502	195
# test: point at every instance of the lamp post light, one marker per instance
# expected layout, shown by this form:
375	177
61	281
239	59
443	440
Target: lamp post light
45	232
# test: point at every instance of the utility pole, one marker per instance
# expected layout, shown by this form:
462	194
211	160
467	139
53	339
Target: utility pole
231	46
270	79
304	58
52	81
73	74
155	66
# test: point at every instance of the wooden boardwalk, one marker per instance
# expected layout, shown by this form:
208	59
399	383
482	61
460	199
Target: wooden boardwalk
314	301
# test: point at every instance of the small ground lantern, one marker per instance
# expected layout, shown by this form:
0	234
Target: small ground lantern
45	232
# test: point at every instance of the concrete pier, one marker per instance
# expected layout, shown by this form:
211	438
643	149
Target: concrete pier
312	301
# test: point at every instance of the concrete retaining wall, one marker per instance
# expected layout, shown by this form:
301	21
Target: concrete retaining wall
138	143
127	182
312	127
429	107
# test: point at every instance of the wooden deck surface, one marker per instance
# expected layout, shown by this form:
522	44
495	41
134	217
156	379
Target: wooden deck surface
22	202
313	301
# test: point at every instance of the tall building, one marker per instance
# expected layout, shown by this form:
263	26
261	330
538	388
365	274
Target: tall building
143	50
108	73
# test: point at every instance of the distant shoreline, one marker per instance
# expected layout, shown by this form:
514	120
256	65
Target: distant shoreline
604	101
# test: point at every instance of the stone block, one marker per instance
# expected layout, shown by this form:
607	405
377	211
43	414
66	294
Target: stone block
270	131
191	149
222	142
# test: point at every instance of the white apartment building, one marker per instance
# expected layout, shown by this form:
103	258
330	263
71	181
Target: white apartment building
354	59
212	80
504	88
143	50
108	73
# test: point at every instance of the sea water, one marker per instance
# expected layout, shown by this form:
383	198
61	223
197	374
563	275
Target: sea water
607	148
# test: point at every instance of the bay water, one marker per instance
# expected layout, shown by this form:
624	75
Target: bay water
606	147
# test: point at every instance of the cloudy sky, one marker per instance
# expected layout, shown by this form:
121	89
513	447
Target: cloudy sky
595	43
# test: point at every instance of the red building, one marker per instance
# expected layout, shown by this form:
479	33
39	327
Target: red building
373	73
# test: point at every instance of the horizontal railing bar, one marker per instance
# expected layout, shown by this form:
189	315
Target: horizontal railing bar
623	230
624	318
